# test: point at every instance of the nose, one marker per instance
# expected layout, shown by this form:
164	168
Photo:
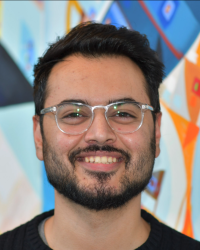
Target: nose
100	132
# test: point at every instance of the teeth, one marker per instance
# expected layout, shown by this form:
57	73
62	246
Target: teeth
91	159
109	159
103	159
97	159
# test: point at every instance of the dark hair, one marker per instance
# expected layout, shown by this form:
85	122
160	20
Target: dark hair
95	40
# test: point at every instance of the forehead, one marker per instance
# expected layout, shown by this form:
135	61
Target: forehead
96	80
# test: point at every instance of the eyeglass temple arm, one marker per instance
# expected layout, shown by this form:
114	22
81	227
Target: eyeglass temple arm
146	106
47	110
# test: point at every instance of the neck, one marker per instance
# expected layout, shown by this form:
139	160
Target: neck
75	227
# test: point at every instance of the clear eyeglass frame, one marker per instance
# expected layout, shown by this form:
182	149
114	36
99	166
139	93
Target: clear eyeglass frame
53	109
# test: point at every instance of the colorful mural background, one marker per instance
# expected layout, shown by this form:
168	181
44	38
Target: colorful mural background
172	27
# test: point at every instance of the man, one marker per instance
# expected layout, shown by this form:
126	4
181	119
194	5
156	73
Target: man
97	128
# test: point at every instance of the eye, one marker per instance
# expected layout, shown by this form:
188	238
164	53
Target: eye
73	118
124	115
73	115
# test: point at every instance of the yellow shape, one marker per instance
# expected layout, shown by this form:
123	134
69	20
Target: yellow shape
77	6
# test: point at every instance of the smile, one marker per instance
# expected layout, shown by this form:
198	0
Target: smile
98	159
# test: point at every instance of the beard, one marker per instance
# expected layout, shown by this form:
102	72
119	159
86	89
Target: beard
100	196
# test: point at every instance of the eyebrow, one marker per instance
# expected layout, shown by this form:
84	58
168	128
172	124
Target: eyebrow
74	100
125	99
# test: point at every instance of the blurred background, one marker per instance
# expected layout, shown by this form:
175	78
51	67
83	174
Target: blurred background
172	27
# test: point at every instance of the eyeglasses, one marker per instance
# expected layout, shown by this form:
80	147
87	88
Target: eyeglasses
76	118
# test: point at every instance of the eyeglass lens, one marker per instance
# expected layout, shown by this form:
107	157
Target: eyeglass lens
75	119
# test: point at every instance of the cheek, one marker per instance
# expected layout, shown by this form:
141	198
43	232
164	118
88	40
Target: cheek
58	140
136	140
131	141
66	143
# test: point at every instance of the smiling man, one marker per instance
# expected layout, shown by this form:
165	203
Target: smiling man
97	128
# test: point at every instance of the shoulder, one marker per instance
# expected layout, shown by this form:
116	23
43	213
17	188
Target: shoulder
179	240
15	238
7	238
168	238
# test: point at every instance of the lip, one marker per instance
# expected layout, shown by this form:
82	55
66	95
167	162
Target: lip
100	153
100	167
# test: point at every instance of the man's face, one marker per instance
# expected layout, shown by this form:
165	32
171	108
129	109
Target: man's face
97	185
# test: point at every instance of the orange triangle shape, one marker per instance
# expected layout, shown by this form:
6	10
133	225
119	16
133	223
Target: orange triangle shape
192	132
181	125
187	230
198	52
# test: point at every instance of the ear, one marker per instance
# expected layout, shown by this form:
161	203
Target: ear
158	133
38	137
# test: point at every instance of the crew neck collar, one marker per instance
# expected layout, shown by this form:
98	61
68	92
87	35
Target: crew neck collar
151	243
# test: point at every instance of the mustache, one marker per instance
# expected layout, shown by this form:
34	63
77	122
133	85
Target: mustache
94	148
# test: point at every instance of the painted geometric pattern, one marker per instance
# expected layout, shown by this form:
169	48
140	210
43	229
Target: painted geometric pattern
172	27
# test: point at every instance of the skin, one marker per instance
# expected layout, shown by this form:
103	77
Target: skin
96	80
